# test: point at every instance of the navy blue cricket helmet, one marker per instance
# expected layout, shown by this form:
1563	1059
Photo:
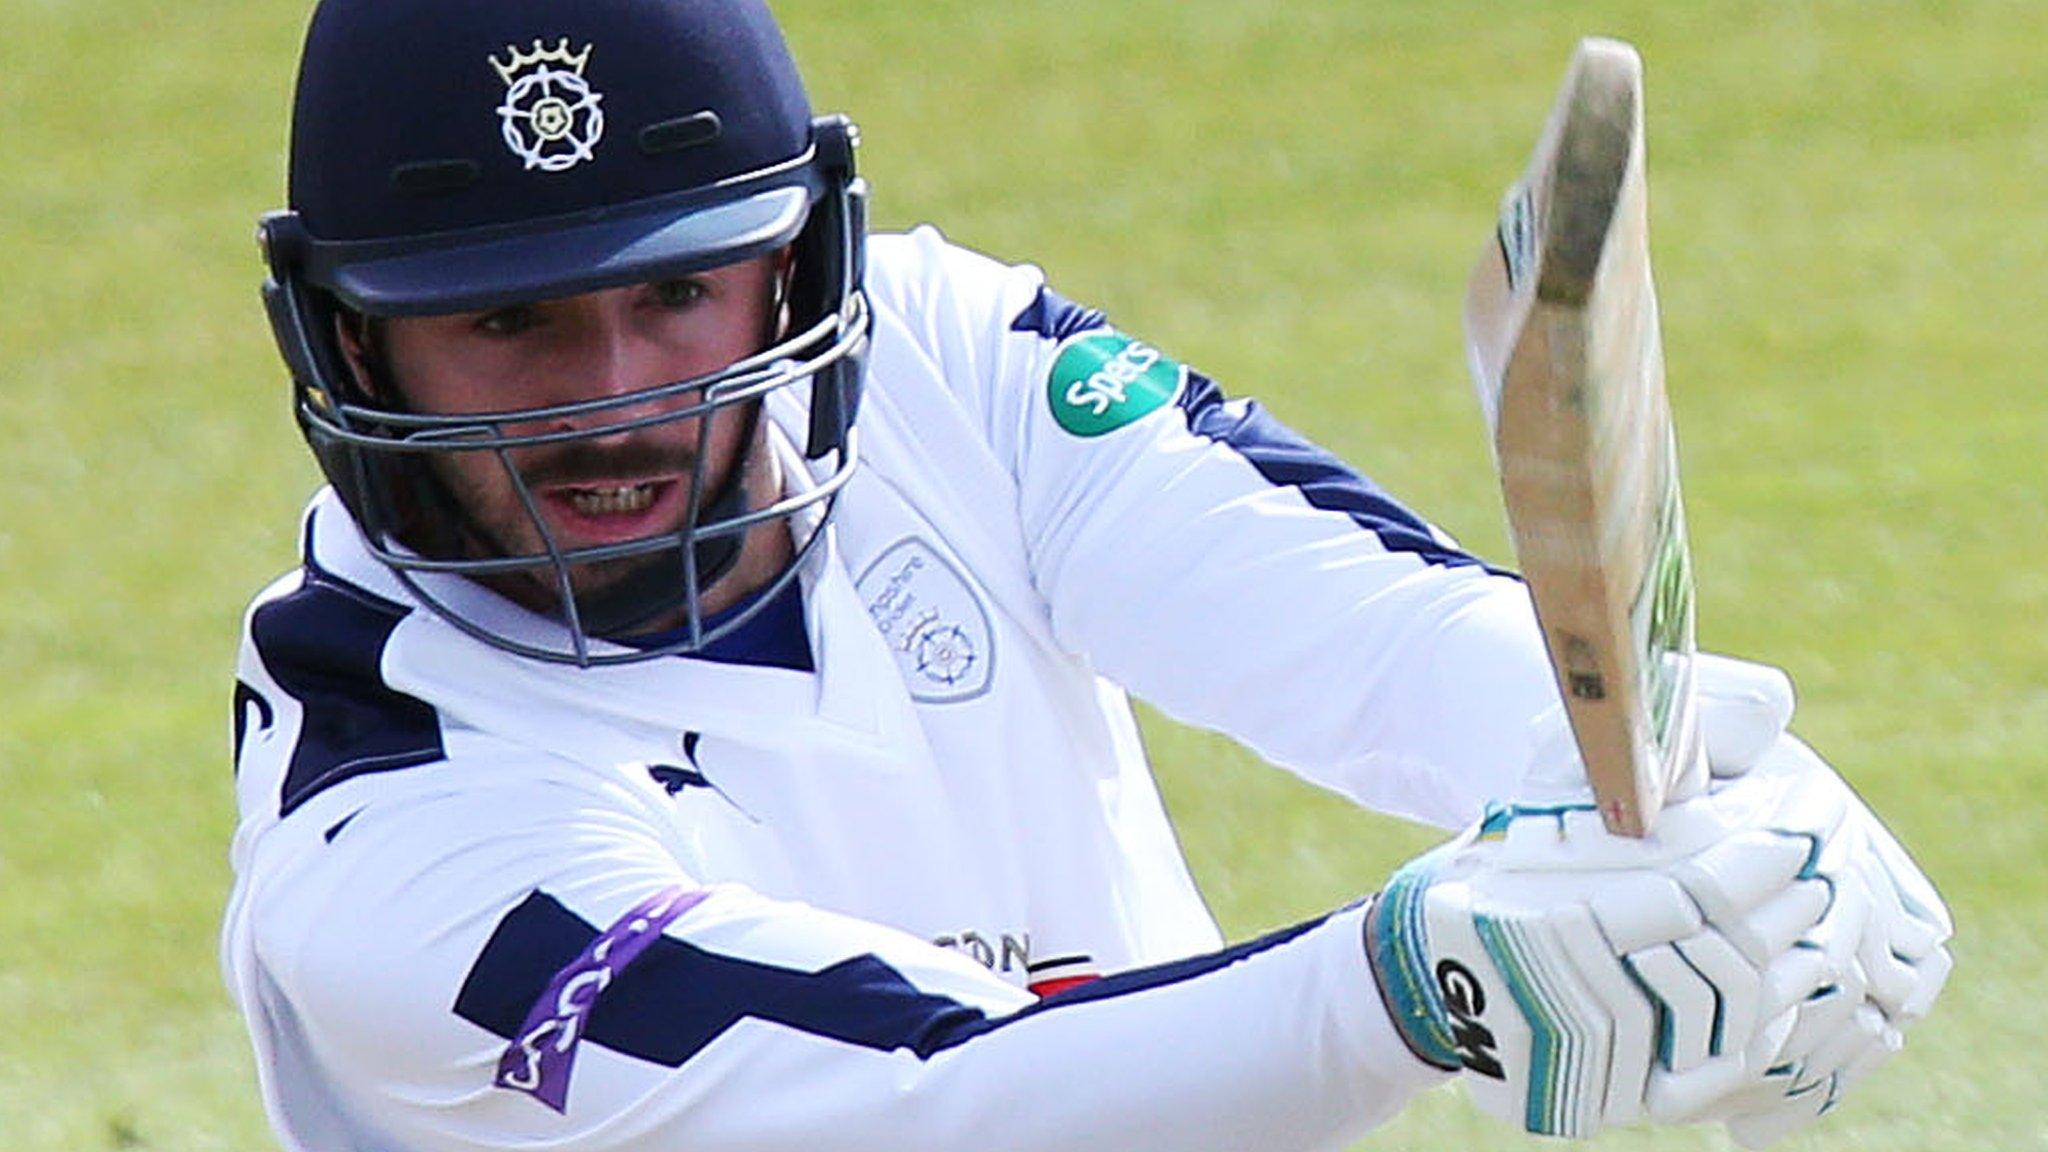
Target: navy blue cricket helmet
453	156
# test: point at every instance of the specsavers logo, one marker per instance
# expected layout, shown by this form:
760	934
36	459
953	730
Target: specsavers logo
1101	381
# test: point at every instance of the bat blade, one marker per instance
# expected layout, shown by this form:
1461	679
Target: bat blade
1562	339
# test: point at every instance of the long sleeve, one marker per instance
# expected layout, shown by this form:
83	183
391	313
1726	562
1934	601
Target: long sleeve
1216	563
433	948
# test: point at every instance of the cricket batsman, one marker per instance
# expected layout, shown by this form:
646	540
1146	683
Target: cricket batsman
699	719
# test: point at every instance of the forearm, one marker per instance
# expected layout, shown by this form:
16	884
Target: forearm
616	1006
1276	1045
1316	622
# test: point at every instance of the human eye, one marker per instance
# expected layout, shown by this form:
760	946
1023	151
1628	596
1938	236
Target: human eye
510	320
679	293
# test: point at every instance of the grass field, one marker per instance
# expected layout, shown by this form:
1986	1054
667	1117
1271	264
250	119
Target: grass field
1853	254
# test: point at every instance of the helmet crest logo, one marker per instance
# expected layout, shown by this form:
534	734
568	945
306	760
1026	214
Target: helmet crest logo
550	117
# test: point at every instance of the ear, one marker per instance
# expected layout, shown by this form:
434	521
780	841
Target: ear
782	269
353	335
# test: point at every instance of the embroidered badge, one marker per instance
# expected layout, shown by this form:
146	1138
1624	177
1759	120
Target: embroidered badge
931	620
550	117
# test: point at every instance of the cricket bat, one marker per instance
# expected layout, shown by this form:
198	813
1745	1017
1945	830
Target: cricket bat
1562	338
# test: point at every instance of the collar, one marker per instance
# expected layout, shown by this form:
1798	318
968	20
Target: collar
553	706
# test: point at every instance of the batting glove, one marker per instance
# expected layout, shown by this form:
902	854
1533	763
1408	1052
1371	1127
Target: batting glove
1747	962
1743	710
1880	952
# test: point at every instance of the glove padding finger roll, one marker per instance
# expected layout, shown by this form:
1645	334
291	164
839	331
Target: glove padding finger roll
1755	956
1743	710
1881	952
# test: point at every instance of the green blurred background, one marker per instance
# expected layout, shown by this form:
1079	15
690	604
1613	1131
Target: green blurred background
1850	234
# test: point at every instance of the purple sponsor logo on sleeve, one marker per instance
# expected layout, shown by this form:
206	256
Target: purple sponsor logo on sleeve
539	1061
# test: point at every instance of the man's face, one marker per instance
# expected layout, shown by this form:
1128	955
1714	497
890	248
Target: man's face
617	487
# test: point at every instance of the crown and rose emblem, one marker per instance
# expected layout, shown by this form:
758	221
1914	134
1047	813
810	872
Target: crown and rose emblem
550	116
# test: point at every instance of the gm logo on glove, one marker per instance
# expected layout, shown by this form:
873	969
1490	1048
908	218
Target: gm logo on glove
1465	1000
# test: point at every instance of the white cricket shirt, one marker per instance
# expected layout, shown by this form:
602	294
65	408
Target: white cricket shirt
484	902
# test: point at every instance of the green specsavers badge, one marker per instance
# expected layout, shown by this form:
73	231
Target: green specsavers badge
1102	381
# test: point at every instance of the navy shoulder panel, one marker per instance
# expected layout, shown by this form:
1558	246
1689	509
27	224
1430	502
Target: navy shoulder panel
324	645
1055	317
676	998
1286	458
671	1001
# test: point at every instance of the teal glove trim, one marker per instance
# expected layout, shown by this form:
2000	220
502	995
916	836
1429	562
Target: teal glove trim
1555	1053
1666	1032
1716	1041
1396	945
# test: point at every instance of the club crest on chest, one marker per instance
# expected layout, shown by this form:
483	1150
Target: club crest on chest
932	621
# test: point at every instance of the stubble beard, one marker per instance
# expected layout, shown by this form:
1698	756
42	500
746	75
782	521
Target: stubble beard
494	522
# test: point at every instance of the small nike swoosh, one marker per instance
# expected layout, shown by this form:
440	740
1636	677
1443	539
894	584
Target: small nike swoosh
338	825
676	779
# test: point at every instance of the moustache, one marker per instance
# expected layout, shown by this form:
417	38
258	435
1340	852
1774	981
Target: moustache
583	462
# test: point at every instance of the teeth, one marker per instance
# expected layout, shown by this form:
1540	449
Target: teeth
612	501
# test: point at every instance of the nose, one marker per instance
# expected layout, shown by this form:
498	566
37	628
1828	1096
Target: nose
607	359
614	360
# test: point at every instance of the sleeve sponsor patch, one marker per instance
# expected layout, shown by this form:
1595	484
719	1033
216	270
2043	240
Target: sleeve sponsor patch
1101	381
